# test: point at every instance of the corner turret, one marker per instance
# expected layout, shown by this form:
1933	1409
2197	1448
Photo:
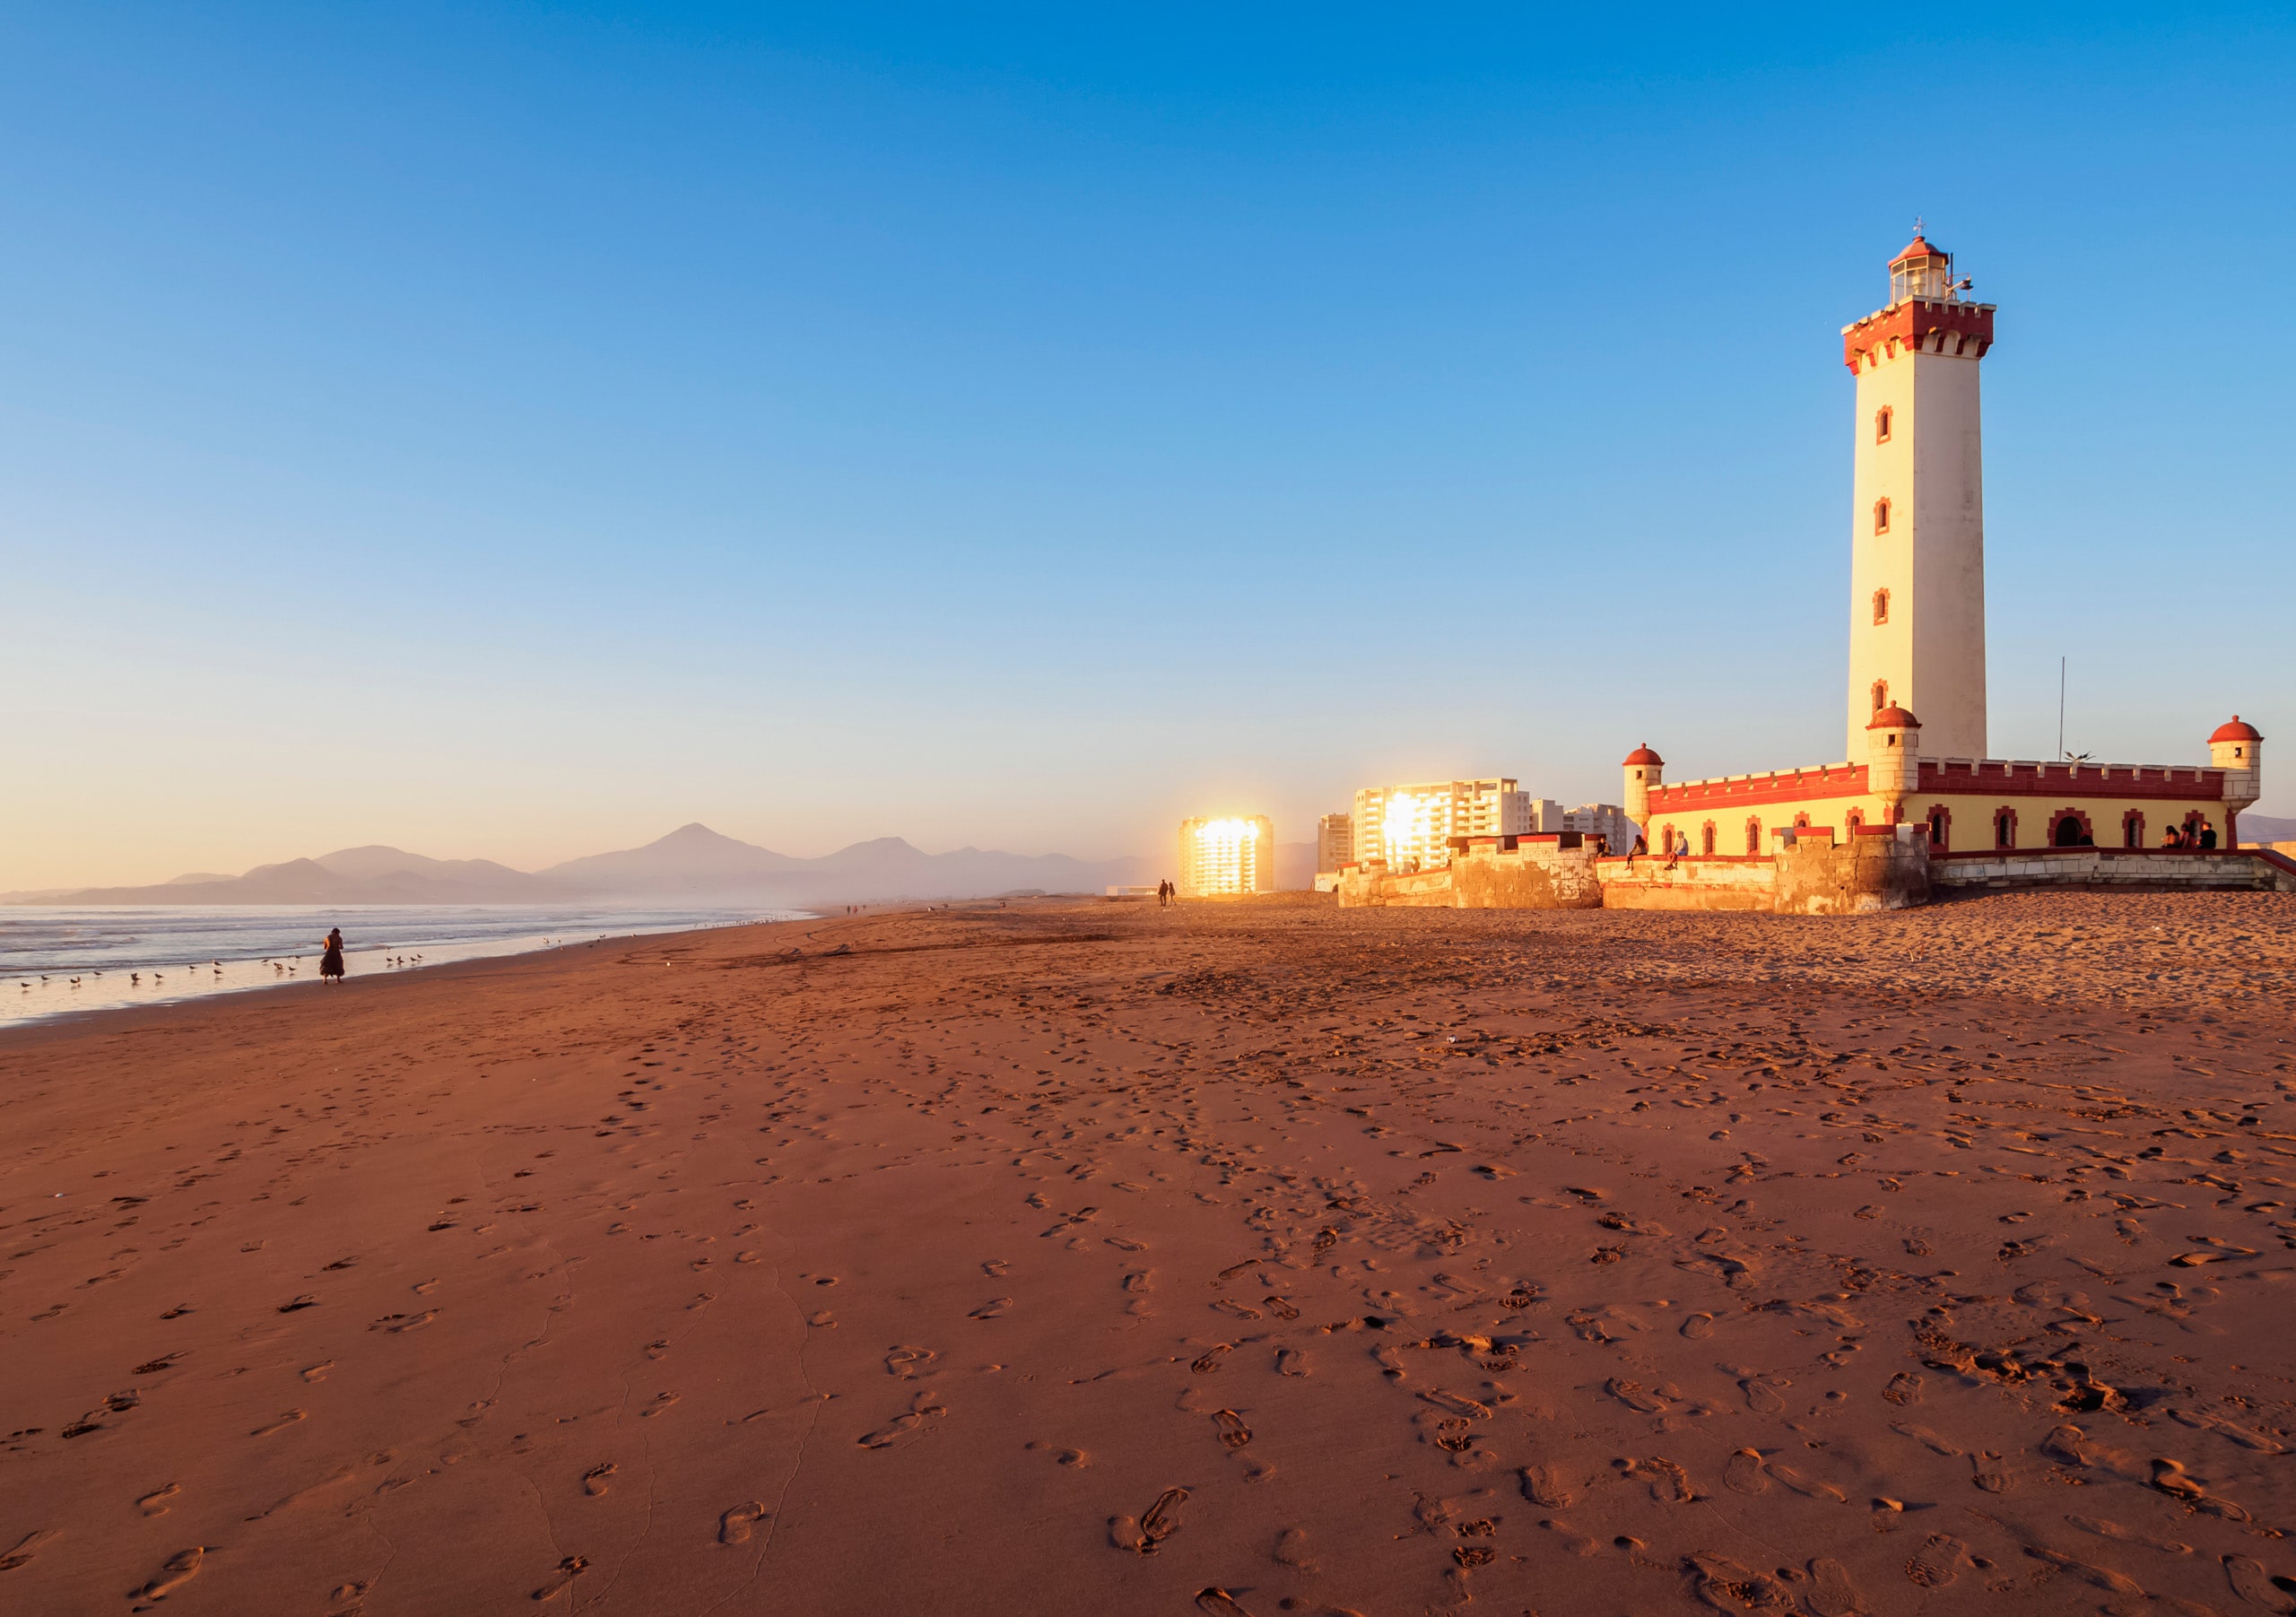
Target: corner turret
1893	758
2238	748
1644	770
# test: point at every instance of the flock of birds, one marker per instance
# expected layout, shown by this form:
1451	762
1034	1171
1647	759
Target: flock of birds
278	968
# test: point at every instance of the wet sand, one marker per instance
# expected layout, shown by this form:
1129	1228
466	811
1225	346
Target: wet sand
1260	1257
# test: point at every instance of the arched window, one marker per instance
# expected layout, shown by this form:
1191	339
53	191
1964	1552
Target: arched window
1881	516
1880	695
2069	831
1880	607
2005	828
1940	820
1705	840
1882	425
1754	836
2132	828
1853	819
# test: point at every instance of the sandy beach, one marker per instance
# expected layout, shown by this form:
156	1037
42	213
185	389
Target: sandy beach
1082	1256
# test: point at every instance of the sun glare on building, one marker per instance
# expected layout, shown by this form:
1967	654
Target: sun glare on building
1229	856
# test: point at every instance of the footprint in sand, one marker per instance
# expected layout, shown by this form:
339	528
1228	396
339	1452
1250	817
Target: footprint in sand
1698	1325
30	1545
662	1400
733	1527
901	1426
2253	1584
1987	1471
1219	1603
1291	1361
2103	1528
1233	1432
1762	1397
1831	1594
992	1310
1745	1473
1904	1387
1209	1360
281	1425
1938	1561
175	1571
1927	1439
155	1502
910	1363
594	1480
1292	1550
1164	1518
569	1569
317	1372
1546	1485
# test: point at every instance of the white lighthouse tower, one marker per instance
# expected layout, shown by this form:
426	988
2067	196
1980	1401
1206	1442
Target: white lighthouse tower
1917	571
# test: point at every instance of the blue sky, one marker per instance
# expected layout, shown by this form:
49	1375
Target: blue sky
515	431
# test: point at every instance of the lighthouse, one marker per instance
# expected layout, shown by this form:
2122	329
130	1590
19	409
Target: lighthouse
1917	596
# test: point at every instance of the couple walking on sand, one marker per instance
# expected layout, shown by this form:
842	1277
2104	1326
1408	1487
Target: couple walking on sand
1165	893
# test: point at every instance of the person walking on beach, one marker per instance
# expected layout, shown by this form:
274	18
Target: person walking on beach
331	962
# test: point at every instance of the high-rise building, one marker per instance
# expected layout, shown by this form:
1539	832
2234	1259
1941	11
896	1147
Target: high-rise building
1335	842
1230	856
1917	568
1411	826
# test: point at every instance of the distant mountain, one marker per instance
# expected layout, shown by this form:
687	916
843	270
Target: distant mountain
691	858
2263	827
694	865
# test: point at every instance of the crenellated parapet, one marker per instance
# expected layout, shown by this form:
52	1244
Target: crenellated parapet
1918	327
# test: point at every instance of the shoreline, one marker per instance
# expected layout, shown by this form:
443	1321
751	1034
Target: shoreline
1083	1254
30	993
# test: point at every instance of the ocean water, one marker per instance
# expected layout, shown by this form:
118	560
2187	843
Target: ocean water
57	961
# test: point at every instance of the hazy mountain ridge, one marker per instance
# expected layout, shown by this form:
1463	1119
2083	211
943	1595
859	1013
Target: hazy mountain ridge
692	863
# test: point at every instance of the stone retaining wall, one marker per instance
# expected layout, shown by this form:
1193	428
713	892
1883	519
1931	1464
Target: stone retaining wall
1861	876
2240	870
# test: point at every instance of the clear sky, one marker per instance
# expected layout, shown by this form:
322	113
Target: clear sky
515	431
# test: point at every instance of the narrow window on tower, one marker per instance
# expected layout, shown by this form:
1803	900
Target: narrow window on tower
1880	607
1880	695
1882	425
1881	516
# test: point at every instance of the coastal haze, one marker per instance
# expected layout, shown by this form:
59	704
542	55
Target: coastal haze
1271	995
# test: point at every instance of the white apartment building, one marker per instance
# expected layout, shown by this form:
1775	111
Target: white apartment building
1411	826
1607	820
1335	842
1226	856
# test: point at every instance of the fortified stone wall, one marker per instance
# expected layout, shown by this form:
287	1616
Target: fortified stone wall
1538	873
1370	885
1861	876
1694	881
